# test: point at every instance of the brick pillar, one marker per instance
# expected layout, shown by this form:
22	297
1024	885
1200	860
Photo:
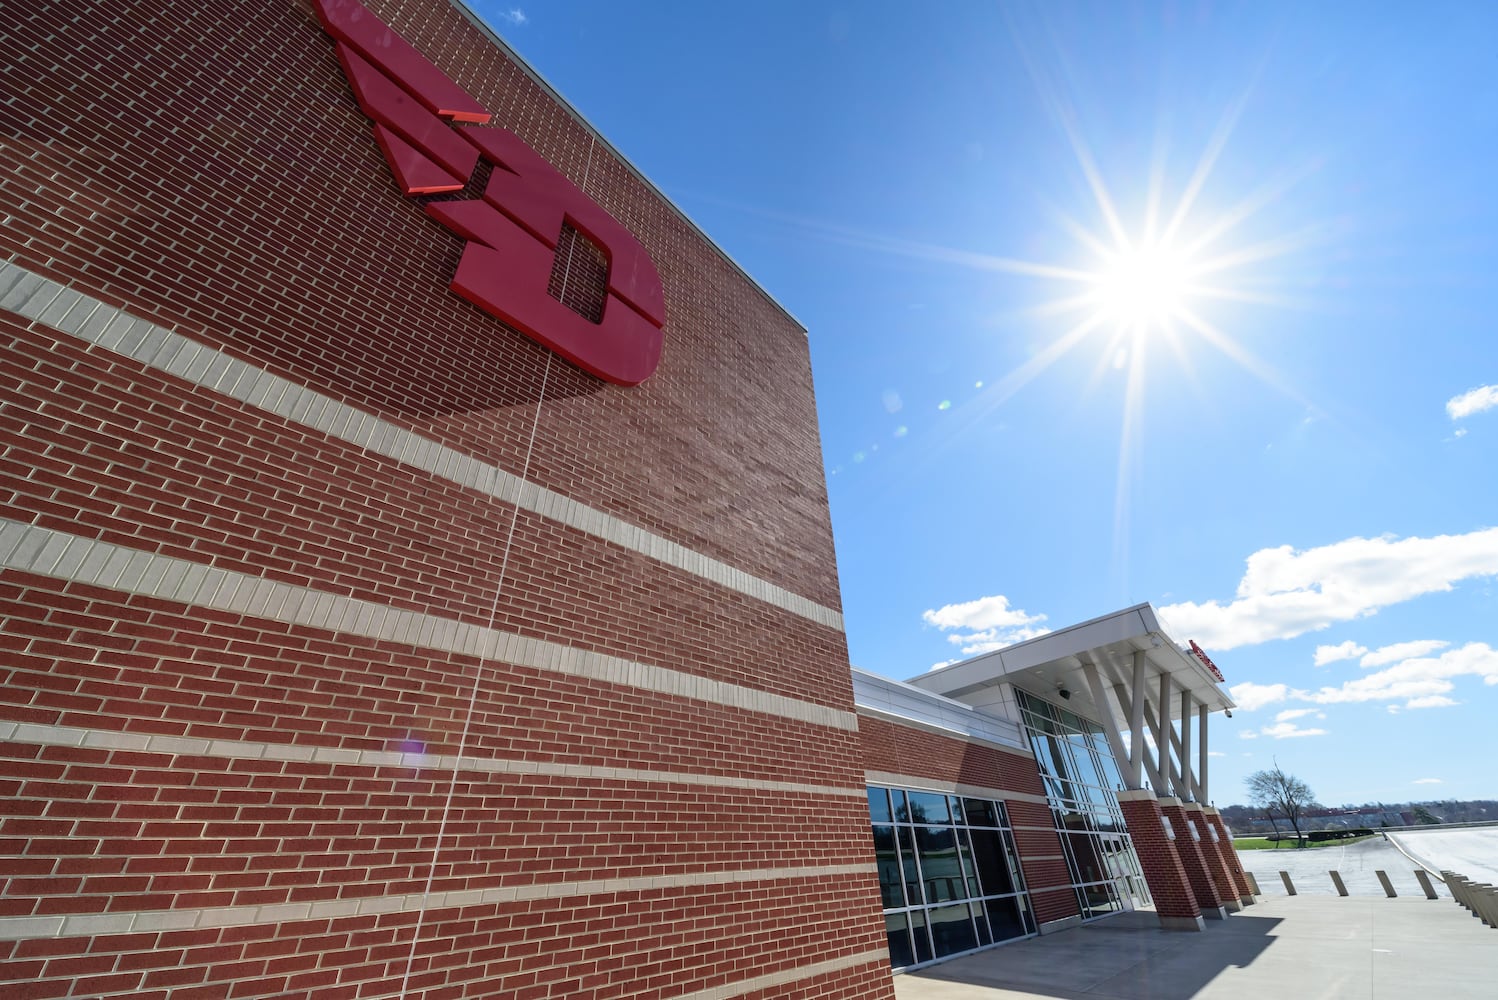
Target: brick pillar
1174	901
1190	853
1217	866
1230	855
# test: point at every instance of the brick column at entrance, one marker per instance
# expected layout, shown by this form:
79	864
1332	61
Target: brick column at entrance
1217	867
1190	853
1174	900
1230	855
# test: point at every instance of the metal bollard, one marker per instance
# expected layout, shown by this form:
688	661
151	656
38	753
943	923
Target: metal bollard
1337	881
1475	902
1485	902
1480	898
1388	886
1253	884
1424	880
1289	886
1461	891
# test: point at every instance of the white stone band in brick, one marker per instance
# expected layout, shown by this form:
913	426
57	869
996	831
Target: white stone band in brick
64	556
40	734
786	976
86	318
94	924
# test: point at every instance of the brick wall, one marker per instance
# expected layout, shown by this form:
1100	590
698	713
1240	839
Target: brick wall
350	643
899	750
1159	859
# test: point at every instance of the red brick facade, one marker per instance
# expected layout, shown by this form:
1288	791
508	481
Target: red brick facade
1230	859
290	711
1193	855
1174	897
1213	857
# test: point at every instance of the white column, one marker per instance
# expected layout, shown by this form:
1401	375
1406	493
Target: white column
1136	718
1163	741
1186	782
1201	749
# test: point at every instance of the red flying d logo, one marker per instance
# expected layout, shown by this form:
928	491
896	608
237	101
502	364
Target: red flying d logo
514	229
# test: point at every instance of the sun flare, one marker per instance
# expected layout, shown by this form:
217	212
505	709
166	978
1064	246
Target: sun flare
1142	288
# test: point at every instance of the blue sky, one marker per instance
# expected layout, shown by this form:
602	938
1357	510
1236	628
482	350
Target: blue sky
1289	447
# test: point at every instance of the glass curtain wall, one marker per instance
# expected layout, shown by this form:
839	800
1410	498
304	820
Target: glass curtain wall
949	874
1080	776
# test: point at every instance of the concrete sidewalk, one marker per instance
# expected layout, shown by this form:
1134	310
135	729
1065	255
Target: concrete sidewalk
1292	947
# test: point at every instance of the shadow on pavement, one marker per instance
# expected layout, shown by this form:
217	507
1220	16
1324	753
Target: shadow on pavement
1126	956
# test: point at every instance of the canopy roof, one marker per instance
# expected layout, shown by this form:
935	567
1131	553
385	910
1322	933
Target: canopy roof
1052	664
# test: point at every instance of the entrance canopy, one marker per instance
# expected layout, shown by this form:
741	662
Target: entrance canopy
1123	671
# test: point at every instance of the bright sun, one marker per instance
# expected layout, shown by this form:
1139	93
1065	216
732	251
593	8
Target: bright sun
1143	288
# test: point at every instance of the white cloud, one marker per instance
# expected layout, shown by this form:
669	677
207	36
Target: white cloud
1401	651
514	15
1285	592
1348	650
1431	701
1250	696
984	625
1215	753
1484	397
1286	730
1298	713
1429	781
1421	682
1248	734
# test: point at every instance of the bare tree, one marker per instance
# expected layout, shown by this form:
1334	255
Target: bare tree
1274	790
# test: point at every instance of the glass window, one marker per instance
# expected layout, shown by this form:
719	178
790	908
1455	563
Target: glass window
980	920
993	873
897	927
928	807
1004	918
1100	899
1052	756
939	863
1108	770
965	854
941	858
979	812
1085	848
1012	853
952	929
913	883
891	890
1086	771
922	939
1039	724
1080	776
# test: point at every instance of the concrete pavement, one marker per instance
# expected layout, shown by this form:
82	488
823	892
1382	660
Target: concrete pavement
1292	947
1471	851
1356	863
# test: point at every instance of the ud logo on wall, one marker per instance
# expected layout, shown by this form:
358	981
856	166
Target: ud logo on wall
513	229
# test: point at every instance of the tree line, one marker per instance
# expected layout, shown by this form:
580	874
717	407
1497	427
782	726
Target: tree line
1281	802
